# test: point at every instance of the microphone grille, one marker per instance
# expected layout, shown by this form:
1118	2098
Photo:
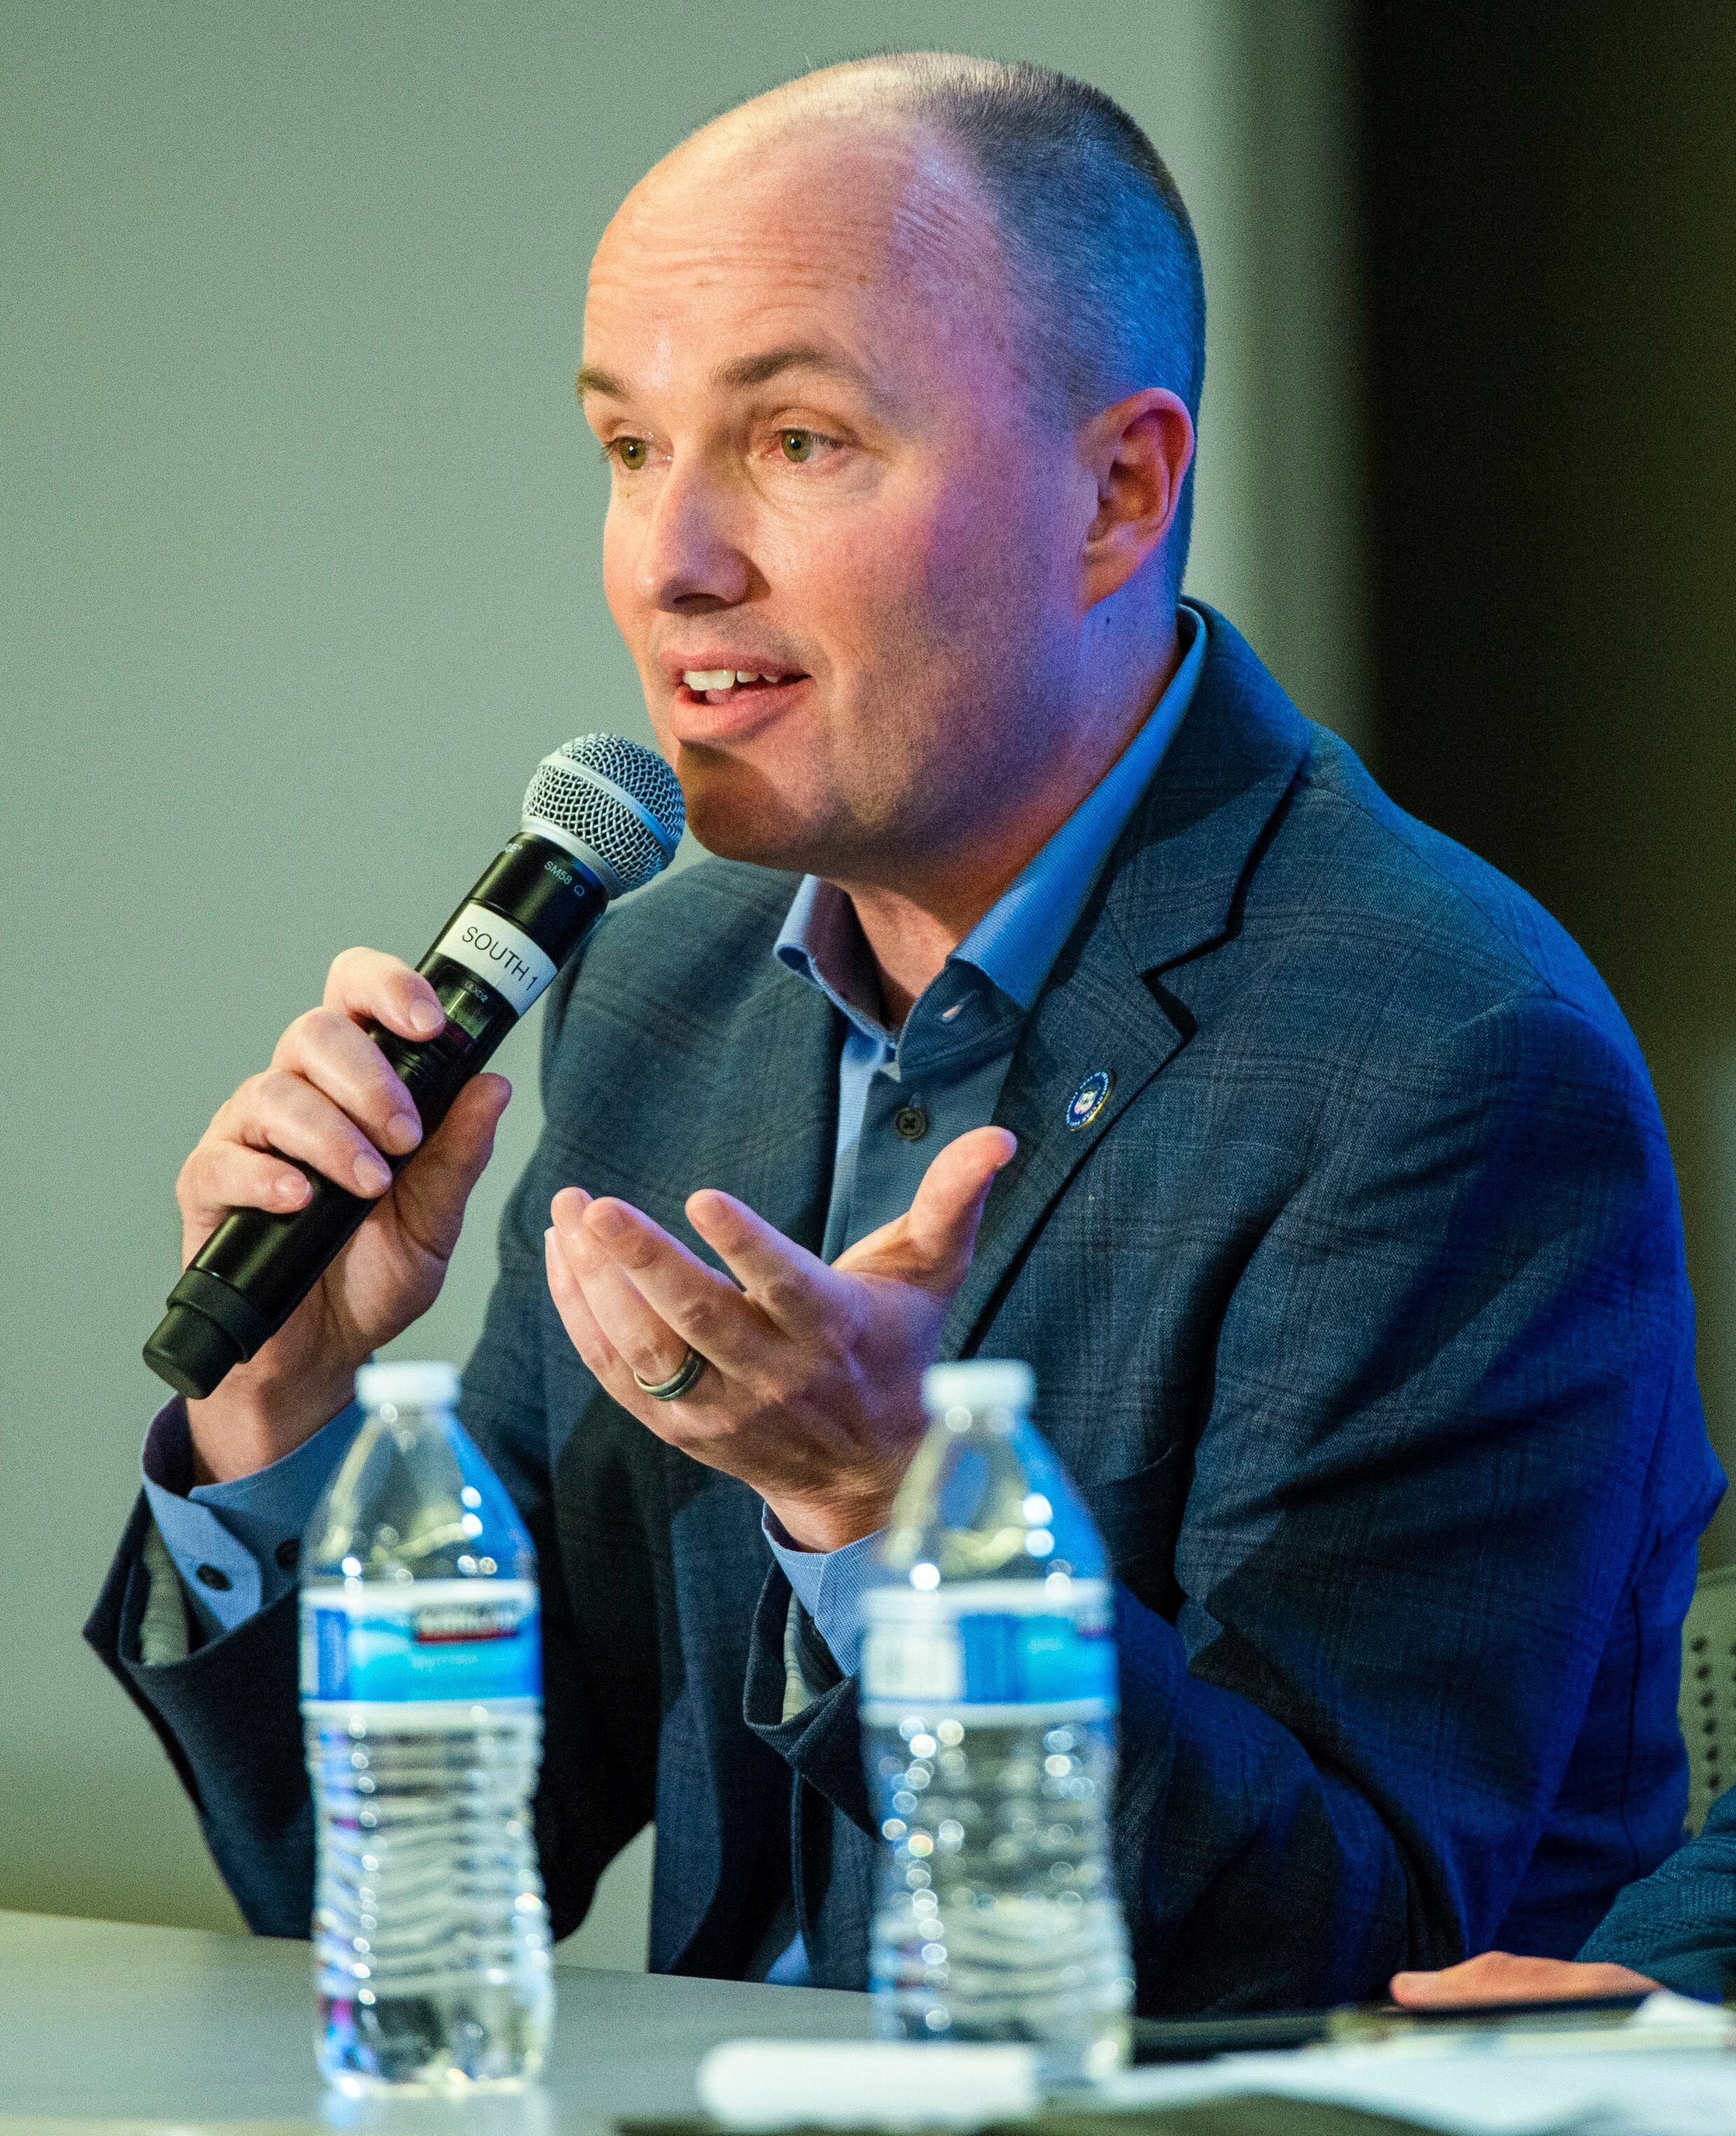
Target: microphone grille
618	800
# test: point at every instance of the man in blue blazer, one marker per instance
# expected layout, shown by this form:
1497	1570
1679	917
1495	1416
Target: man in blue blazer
1060	993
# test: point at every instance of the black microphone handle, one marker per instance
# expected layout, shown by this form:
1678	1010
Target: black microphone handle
536	901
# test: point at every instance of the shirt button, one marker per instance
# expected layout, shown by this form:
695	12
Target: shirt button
911	1122
212	1576
289	1555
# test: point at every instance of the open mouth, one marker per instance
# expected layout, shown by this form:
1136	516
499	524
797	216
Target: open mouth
732	686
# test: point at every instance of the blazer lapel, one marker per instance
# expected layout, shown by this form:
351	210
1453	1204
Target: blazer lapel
1172	890
1099	1020
769	1132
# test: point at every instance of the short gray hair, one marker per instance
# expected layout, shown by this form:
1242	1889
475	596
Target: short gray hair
1098	241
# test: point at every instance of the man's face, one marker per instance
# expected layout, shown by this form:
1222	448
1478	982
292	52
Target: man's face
826	472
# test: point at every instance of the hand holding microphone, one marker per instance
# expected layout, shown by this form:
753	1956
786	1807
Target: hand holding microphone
275	1304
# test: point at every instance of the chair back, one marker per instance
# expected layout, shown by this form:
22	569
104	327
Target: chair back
1707	1705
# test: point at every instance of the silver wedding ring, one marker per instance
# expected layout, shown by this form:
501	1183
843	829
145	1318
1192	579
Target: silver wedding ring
678	1381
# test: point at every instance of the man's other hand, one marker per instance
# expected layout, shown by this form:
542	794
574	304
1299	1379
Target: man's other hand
1498	1977
330	1102
812	1393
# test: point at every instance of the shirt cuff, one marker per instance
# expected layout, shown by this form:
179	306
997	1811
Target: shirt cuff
828	1584
236	1545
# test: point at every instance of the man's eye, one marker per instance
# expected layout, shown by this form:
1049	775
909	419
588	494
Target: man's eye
630	453
796	446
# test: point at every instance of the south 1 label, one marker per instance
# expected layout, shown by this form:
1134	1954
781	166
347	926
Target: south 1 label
427	1642
498	952
989	1651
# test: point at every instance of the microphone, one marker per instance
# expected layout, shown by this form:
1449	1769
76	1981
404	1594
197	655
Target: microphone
602	817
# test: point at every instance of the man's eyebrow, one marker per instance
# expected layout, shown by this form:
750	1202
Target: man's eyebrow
794	356
592	379
746	370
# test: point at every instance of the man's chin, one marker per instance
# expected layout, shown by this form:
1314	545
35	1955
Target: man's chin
737	814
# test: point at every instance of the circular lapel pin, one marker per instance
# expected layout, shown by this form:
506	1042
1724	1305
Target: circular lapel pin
1090	1097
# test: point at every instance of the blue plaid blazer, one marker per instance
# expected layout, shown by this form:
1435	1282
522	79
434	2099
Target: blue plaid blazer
1358	1313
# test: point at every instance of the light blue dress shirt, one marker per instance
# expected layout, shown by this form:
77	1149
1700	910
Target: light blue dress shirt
902	1096
236	1545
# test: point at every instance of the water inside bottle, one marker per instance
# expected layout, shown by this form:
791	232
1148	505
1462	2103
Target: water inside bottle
423	1724
988	1703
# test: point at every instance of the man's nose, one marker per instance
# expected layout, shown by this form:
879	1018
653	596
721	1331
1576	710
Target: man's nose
691	558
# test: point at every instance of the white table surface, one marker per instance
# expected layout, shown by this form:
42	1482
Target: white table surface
101	2021
109	2029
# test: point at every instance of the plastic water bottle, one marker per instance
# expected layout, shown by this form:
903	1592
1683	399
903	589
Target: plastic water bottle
421	1676
988	1703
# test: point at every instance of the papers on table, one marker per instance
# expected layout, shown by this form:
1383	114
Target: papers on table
1670	2070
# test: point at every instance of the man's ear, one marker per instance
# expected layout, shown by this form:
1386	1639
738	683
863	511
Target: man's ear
1138	453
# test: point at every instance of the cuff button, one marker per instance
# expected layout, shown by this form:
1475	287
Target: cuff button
214	1577
289	1555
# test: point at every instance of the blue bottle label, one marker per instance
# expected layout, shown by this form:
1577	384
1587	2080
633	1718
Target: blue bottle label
990	1651
431	1642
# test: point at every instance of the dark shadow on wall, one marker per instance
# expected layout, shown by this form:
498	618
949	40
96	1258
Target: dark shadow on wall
1550	276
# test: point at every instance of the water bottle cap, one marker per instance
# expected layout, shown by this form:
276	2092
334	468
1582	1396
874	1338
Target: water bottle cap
980	1383
408	1386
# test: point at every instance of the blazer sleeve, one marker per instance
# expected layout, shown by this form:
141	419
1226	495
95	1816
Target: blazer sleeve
1678	1926
1452	1422
228	1712
1441	1391
227	1715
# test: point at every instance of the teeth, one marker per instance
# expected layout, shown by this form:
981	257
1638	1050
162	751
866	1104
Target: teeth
701	680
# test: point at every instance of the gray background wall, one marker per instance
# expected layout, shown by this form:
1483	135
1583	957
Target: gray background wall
298	529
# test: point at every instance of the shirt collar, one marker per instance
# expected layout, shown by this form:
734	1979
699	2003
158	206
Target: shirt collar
821	941
1017	940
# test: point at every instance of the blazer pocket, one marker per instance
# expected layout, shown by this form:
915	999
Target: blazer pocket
1139	1518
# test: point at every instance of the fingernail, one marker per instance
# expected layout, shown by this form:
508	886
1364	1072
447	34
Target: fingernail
569	1208
403	1132
426	1017
373	1175
608	1223
290	1190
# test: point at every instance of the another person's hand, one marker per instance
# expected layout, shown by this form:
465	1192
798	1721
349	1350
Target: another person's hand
812	1390
331	1100
1498	1977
